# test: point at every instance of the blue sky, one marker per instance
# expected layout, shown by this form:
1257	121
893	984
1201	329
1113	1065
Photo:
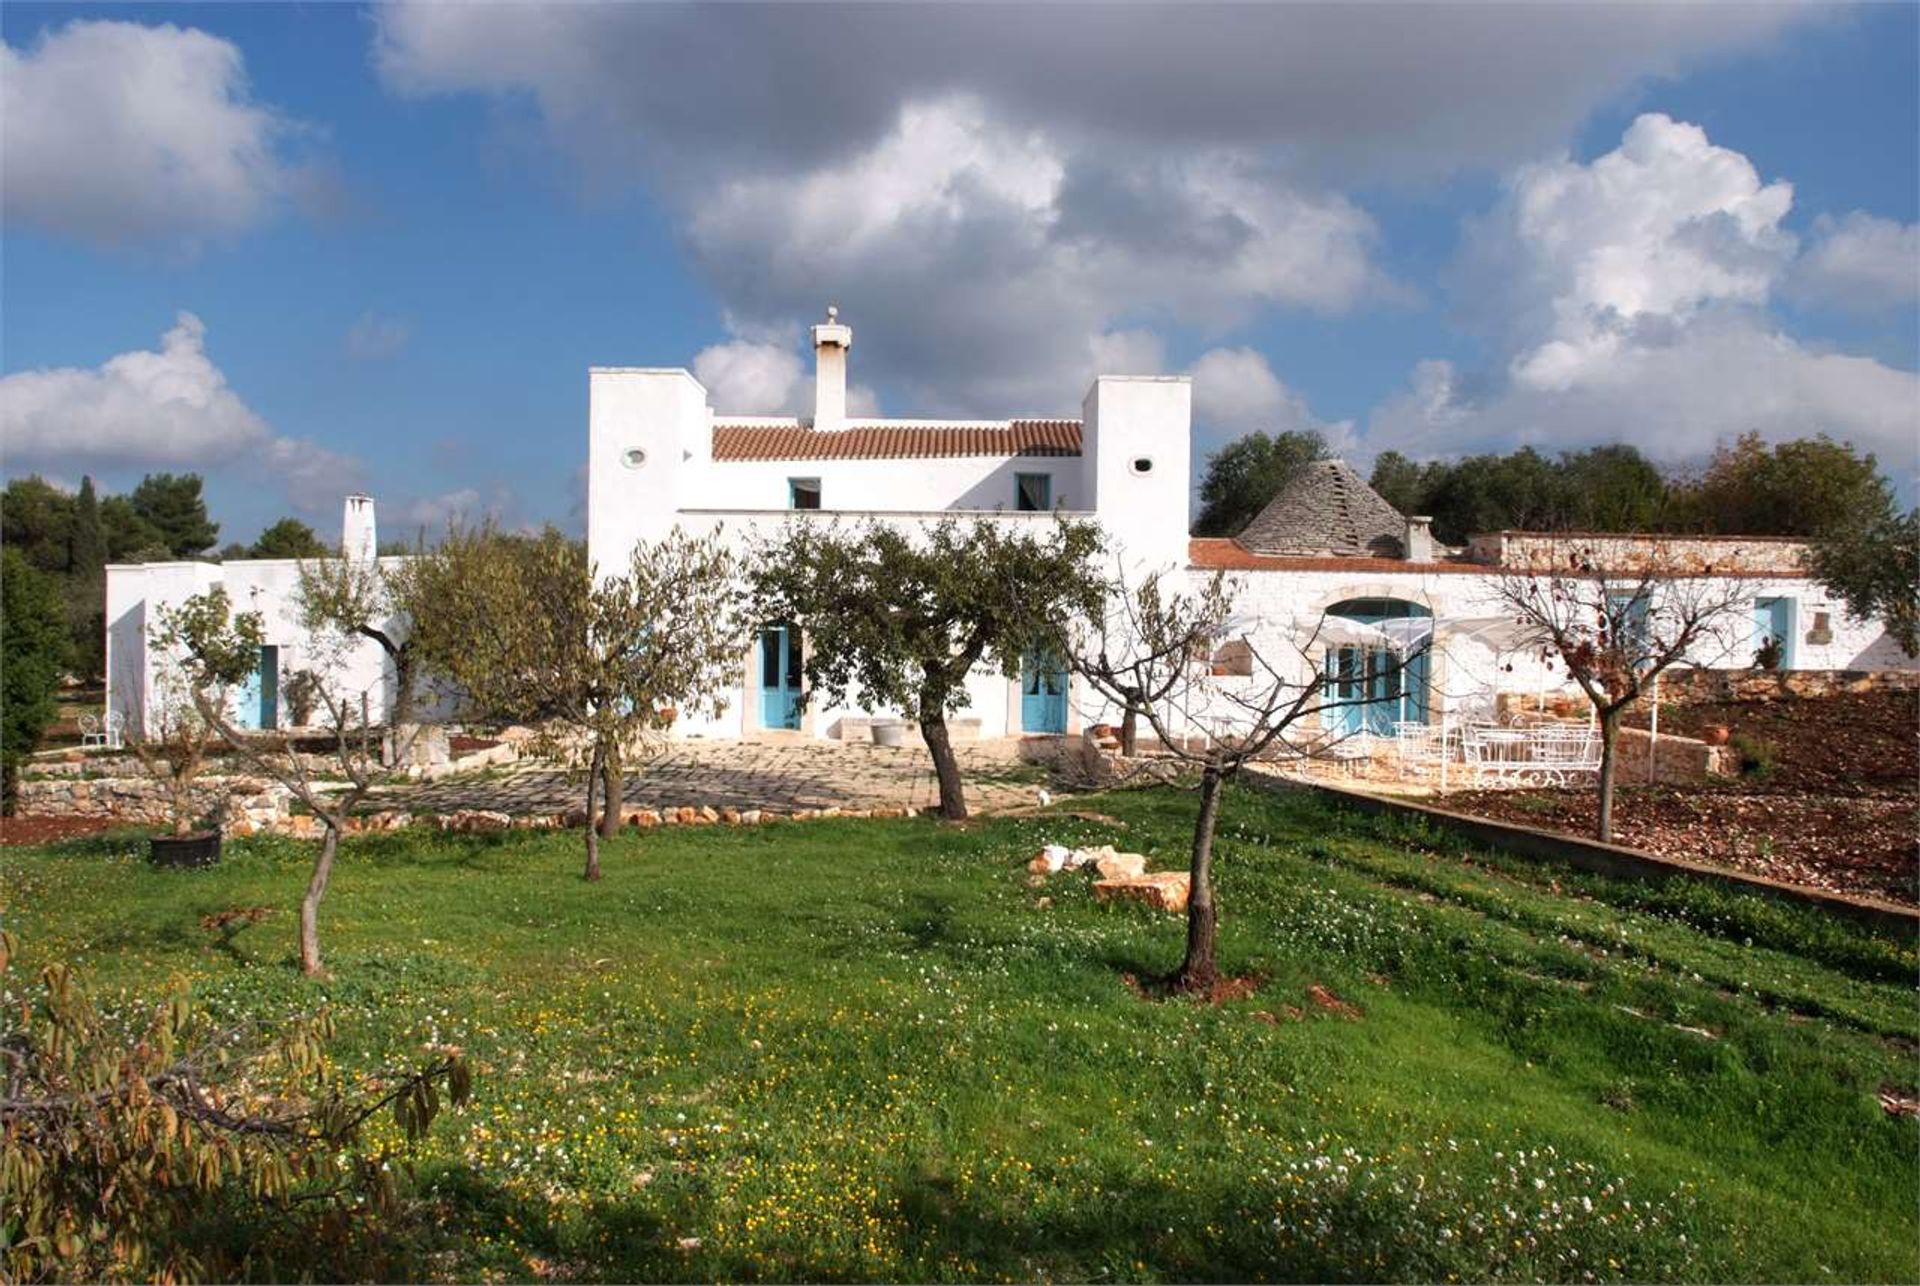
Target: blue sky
406	232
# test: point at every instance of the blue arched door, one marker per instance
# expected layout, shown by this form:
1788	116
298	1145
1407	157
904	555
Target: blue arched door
1370	688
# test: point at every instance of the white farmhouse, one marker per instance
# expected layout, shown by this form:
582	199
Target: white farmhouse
1326	574
658	457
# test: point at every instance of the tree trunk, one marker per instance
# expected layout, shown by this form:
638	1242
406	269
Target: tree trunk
310	904
1198	972
953	800
1130	729
612	791
1609	742
594	773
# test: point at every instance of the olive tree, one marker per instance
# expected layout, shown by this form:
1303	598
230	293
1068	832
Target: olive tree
1872	564
1620	613
901	619
525	631
1149	646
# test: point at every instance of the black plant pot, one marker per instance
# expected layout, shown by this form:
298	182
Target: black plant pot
185	850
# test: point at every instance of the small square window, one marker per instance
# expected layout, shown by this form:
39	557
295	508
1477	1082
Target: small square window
803	493
1033	492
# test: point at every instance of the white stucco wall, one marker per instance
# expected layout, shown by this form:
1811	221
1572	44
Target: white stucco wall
138	593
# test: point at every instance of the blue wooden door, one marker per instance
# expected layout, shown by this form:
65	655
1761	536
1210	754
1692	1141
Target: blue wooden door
268	679
1773	618
780	677
1043	695
257	704
1346	677
1369	689
246	702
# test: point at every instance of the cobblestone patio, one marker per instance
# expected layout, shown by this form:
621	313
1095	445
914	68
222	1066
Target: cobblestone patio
775	777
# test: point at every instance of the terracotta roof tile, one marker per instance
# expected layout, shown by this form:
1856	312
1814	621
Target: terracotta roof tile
884	441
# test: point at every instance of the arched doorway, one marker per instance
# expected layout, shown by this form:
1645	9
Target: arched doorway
1377	684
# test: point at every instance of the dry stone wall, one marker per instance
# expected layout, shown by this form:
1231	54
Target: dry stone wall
244	804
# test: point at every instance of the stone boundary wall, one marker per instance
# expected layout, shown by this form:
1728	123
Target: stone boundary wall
1691	687
1677	760
256	806
1605	859
1626	553
245	804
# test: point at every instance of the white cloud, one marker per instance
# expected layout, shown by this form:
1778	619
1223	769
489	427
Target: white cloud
766	376
1380	93
1127	352
986	270
119	133
168	409
1860	263
376	337
1645	236
748	378
1235	392
436	513
1634	290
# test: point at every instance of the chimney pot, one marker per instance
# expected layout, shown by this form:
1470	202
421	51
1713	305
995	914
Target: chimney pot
831	340
1419	540
358	539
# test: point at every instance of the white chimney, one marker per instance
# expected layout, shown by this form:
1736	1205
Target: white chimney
358	540
831	341
1419	539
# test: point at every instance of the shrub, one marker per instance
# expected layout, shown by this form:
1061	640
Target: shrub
184	1151
1757	755
33	650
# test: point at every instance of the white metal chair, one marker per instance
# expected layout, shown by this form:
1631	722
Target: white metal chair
91	733
115	730
1564	753
1419	745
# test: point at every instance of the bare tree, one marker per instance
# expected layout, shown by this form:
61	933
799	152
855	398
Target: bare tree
1619	612
216	649
172	742
1150	648
363	598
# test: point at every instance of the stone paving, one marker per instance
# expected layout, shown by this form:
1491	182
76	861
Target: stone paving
775	777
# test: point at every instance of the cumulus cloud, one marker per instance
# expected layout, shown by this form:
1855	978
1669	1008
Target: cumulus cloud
375	337
1338	87
767	377
1236	392
1634	290
988	200
985	268
1860	263
169	408
119	133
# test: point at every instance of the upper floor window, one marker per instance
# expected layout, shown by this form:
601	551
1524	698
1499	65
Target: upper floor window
1033	492
803	493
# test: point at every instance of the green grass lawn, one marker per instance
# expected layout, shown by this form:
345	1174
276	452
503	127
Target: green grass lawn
857	1050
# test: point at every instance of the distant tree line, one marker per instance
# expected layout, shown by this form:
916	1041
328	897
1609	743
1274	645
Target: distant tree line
70	537
1808	487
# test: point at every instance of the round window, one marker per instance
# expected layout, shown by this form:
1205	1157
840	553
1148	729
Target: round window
634	457
1141	464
